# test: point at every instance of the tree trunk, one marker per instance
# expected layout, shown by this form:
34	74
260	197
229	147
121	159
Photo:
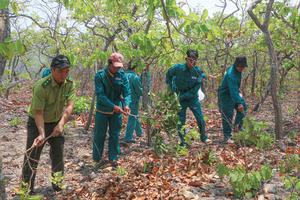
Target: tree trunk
298	84
254	73
2	184
4	33
274	85
146	102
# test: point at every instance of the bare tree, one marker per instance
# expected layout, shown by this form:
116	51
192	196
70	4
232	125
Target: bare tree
264	27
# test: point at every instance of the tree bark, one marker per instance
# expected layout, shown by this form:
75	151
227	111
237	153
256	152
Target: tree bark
254	73
2	184
273	62
4	33
146	102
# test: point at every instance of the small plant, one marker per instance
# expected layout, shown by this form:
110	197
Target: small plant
159	145
57	179
15	122
24	193
148	166
290	168
121	171
253	134
190	136
82	104
292	135
244	183
181	150
209	157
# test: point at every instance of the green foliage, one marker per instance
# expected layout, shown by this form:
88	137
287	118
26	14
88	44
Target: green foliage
82	104
148	166
190	136
10	48
181	150
121	171
244	183
209	157
15	121
159	145
57	179
253	135
290	168
24	191
4	4
290	164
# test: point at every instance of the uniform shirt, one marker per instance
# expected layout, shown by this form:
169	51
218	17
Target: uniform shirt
135	86
51	98
184	81
109	89
230	85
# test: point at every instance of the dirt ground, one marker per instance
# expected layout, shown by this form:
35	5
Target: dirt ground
83	181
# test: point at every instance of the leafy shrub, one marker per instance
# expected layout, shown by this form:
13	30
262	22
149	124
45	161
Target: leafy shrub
15	122
244	183
253	134
82	104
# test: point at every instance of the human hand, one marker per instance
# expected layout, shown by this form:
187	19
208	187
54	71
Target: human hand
38	141
240	108
58	130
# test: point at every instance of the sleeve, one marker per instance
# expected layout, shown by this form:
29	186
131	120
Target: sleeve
126	91
38	98
137	85
99	89
169	77
234	91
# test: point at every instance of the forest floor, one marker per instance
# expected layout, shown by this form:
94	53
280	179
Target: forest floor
169	177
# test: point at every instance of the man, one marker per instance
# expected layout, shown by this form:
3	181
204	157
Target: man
52	104
133	123
111	86
230	98
186	79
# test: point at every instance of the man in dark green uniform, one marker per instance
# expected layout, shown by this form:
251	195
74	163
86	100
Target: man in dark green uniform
230	98
186	79
111	86
133	123
52	104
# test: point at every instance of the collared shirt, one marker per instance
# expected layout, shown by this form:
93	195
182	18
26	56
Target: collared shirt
110	89
135	85
185	81
230	85
51	98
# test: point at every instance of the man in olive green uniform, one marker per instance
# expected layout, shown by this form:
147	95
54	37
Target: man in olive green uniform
111	86
230	98
133	123
186	79
51	106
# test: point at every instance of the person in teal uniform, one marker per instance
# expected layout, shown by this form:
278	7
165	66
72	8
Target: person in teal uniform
133	123
185	80
46	72
111	86
230	98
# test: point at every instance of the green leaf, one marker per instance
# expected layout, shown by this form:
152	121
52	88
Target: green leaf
204	15
297	187
20	47
4	4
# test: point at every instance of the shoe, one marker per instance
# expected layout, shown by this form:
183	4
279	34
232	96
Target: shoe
99	164
114	164
228	141
207	141
56	188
